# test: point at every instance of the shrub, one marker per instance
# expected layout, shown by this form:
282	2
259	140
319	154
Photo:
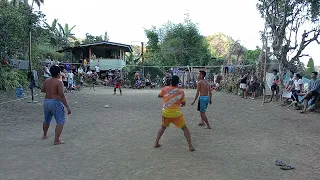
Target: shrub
12	78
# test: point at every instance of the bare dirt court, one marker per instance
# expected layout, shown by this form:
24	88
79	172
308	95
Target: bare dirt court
117	143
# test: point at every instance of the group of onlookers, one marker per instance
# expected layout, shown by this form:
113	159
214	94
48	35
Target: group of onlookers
309	96
249	83
295	85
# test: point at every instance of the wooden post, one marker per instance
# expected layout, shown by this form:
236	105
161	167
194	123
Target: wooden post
89	53
142	58
120	53
30	66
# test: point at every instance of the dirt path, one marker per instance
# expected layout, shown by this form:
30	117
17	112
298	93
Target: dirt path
116	143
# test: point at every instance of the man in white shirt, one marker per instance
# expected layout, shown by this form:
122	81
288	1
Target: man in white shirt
80	70
89	73
97	68
70	80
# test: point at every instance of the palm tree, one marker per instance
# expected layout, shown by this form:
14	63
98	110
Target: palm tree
55	39
66	35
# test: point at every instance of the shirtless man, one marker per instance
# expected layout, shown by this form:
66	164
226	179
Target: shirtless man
53	104
203	89
117	85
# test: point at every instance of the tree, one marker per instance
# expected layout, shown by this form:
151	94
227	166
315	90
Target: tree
55	38
38	2
220	45
66	35
14	21
285	20
90	38
252	56
310	67
177	45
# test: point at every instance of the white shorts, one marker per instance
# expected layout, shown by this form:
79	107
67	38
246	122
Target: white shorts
243	86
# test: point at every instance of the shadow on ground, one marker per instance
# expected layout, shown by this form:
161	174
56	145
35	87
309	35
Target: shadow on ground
116	143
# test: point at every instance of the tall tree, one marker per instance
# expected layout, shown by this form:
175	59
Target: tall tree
285	21
252	56
220	45
310	67
177	44
13	22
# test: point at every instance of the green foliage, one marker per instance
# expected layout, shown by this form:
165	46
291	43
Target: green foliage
60	36
45	51
310	67
12	78
15	22
220	45
177	44
252	56
90	39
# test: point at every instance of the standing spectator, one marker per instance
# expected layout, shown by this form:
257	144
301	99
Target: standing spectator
253	84
46	73
64	76
85	65
70	80
275	85
97	68
243	84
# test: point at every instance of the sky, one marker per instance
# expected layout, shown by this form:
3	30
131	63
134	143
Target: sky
126	20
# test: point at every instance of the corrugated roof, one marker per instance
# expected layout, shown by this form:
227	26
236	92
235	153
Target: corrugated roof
127	47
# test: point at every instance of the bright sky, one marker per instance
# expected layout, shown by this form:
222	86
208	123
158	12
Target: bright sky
125	20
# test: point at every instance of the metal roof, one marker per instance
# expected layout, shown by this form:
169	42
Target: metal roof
125	46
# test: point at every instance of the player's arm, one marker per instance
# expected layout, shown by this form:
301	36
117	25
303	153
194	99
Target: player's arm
62	96
198	92
183	100
42	88
160	95
210	94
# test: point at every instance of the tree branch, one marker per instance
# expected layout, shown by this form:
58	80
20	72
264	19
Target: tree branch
305	42
302	55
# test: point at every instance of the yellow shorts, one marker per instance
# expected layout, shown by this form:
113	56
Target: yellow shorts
179	121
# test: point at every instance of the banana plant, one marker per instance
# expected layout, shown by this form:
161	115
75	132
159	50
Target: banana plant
66	34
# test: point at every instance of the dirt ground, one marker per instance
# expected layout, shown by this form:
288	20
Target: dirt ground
117	143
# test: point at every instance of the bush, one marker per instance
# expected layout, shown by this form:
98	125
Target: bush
12	78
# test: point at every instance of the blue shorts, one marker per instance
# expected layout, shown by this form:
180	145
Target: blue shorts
203	103
53	107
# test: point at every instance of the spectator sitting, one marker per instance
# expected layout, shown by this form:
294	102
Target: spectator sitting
313	91
298	89
290	86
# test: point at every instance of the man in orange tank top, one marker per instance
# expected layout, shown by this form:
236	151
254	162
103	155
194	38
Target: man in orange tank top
173	98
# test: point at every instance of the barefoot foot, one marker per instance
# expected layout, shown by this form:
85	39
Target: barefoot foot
201	124
58	143
157	145
44	137
192	149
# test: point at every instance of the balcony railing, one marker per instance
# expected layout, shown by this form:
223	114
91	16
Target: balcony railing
106	64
